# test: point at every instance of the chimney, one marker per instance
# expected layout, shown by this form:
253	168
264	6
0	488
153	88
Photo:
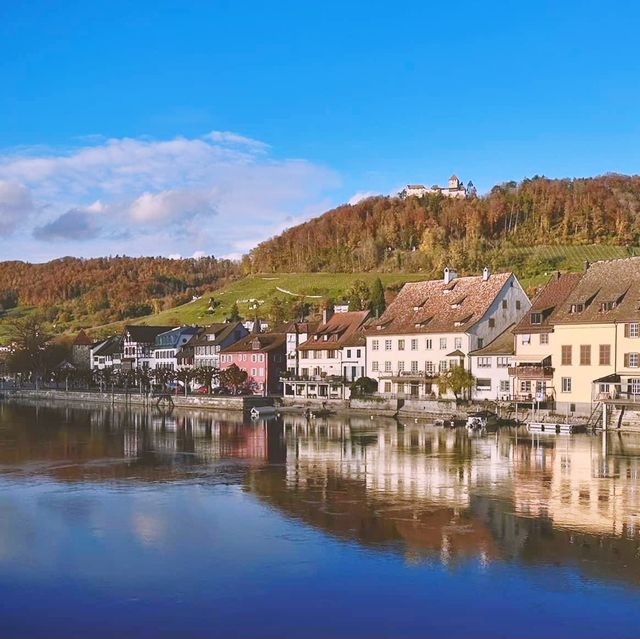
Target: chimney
449	275
485	274
327	314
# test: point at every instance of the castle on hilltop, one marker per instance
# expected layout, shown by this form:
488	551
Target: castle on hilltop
454	189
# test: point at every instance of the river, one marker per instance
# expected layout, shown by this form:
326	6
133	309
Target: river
120	522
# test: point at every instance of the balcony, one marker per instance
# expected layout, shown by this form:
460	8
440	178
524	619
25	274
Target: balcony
531	372
408	376
326	379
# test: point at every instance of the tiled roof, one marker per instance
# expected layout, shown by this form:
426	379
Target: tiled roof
268	342
300	327
436	307
608	291
82	339
146	334
339	331
221	331
550	298
501	345
110	346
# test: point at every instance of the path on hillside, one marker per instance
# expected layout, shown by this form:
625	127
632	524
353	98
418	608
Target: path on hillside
284	290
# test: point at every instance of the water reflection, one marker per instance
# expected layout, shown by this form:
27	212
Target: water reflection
427	493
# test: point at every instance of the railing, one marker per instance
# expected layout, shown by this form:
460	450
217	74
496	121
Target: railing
327	379
531	372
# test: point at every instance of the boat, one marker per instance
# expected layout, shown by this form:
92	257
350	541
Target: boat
262	411
482	420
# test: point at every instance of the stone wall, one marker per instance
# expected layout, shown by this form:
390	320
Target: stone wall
244	403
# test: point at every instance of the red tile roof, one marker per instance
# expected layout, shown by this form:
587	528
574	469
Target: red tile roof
339	331
266	342
436	307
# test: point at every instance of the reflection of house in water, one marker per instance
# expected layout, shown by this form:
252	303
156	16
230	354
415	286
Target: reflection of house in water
567	500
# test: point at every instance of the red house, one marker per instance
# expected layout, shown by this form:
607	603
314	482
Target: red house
263	356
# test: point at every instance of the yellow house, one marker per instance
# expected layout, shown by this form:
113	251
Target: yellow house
595	349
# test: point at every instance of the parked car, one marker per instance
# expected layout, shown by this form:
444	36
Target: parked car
203	390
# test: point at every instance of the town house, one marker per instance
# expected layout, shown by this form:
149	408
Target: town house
262	356
168	344
207	346
331	359
490	367
138	343
107	354
434	325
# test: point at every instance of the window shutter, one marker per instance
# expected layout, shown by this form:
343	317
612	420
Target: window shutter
626	331
626	355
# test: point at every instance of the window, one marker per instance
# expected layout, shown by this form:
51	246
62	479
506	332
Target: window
634	386
483	384
414	367
375	345
544	338
536	318
517	305
400	344
400	367
631	360
304	354
632	330
254	372
566	384
484	362
387	367
480	342
429	344
525	387
387	344
585	355
254	358
357	352
374	366
526	339
387	387
443	366
577	308
443	343
458	342
428	368
414	344
492	322
348	353
605	354
505	386
503	362
566	356
504	303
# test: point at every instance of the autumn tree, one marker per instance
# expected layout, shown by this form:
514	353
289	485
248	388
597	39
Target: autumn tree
458	380
234	378
358	296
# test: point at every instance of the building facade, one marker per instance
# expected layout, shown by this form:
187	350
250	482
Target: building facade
168	344
490	368
432	326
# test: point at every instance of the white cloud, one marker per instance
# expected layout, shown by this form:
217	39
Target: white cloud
359	196
16	205
156	197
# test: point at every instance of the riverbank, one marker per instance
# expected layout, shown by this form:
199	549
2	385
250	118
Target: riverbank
242	403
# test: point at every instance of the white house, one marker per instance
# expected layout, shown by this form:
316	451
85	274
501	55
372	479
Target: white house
331	359
434	325
107	354
169	343
297	333
138	343
490	367
207	346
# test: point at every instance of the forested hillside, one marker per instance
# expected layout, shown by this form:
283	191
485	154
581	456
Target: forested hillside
424	234
101	290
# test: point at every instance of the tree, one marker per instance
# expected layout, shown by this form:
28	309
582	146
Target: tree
358	296
234	378
206	375
363	386
377	304
29	341
458	380
163	376
234	314
185	375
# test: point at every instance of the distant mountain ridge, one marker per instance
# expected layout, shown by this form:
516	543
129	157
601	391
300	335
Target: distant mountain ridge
426	233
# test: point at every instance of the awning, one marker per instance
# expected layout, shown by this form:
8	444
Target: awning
608	379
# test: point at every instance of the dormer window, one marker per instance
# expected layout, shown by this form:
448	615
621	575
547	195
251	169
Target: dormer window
536	318
577	308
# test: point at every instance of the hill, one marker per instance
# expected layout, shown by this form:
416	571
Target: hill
75	292
277	297
424	234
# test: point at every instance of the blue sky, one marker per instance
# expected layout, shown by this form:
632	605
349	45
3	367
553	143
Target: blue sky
179	128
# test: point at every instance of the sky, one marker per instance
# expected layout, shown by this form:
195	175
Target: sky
191	128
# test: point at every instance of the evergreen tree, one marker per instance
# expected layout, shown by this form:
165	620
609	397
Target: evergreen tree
377	305
234	315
